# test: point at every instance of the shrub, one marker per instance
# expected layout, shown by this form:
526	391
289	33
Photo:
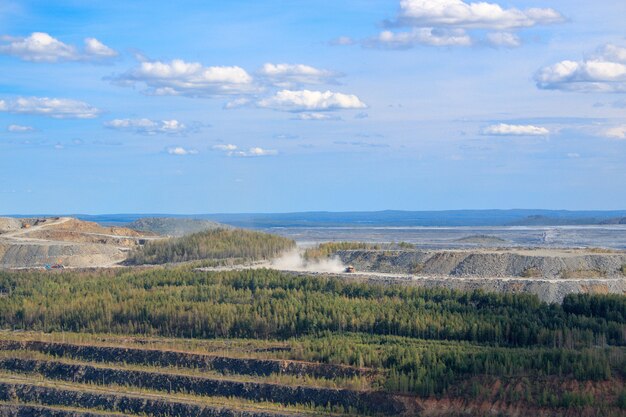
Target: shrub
531	273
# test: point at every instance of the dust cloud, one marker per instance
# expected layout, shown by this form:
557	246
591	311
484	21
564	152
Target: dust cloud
293	261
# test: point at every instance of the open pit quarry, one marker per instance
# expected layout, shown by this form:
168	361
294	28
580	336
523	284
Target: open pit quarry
37	242
549	273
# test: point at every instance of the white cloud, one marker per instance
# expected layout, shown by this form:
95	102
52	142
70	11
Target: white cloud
573	155
191	79
503	129
316	116
41	47
20	129
233	150
225	147
256	151
481	15
289	75
95	48
602	72
420	36
147	126
59	108
443	23
504	39
617	132
237	103
180	151
306	100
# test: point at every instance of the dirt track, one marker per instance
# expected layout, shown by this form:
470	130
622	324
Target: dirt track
65	240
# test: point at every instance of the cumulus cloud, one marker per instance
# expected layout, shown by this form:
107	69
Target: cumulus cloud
180	151
503	129
602	72
225	147
617	132
95	48
420	36
503	39
237	103
20	129
444	23
233	150
480	15
307	100
316	117
147	126
41	47
290	75
58	108
256	151
191	79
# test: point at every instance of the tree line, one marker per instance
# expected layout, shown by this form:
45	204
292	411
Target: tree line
242	244
426	339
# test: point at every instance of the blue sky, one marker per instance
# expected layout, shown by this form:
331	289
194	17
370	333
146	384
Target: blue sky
273	106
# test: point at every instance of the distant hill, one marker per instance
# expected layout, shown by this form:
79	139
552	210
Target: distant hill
539	220
396	218
175	227
616	220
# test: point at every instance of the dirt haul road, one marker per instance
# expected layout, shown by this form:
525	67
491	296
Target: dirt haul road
547	286
65	240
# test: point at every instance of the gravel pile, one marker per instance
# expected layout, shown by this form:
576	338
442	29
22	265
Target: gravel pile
9	224
488	264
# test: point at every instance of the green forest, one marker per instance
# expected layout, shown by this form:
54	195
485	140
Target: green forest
427	341
216	244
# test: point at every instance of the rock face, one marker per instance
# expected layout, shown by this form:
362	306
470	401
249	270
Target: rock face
483	263
9	224
33	243
70	255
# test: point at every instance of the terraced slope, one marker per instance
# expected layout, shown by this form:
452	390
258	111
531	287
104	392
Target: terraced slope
99	378
33	243
94	378
487	263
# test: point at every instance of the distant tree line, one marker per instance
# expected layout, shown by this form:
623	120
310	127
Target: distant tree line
326	249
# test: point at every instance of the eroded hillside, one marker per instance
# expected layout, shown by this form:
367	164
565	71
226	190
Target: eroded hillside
37	242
